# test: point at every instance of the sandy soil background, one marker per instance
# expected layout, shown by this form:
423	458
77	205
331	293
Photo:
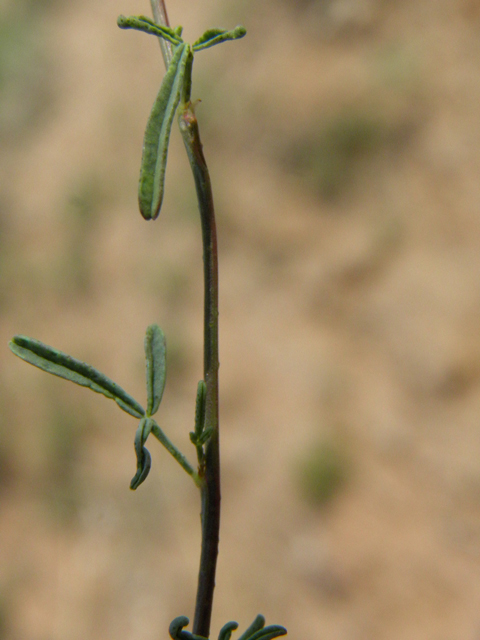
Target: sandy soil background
343	139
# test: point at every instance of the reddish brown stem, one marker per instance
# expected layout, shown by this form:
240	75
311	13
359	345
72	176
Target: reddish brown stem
210	491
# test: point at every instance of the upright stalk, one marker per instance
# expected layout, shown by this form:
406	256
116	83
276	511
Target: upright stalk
210	490
160	16
210	473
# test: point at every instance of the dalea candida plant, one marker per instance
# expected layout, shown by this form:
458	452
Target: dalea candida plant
173	98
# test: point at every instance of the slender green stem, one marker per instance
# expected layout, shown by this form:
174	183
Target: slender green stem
159	11
178	455
210	491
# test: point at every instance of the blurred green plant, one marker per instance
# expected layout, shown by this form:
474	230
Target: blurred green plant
174	94
322	472
328	159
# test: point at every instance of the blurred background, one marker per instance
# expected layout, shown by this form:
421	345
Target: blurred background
343	140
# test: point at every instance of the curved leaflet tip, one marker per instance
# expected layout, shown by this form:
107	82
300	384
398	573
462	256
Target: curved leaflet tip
227	629
144	459
176	630
176	626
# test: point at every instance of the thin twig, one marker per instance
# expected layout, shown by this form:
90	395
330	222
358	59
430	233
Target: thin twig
160	16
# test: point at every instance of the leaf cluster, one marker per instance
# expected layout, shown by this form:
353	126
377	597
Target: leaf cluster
65	366
175	87
256	631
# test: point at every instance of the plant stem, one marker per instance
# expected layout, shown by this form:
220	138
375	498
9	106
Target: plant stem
210	491
160	16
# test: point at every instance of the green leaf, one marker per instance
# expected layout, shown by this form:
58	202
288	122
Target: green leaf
215	36
257	624
176	630
155	354
272	631
144	459
142	23
226	630
157	135
62	365
208	35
